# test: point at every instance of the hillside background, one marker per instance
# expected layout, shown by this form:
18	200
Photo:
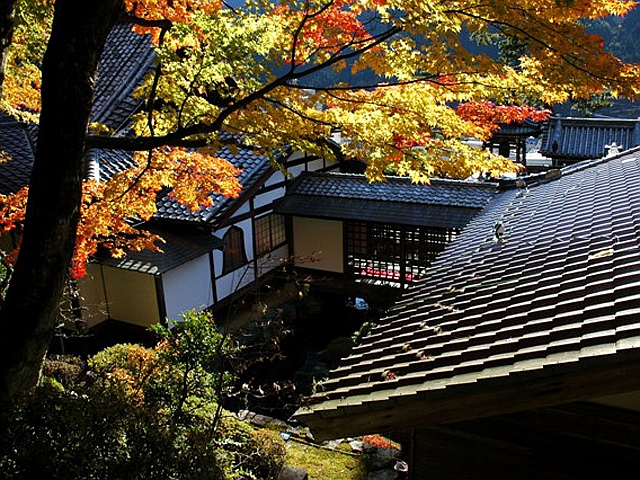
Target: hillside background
621	37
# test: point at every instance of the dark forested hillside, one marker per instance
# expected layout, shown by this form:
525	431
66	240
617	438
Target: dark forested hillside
621	35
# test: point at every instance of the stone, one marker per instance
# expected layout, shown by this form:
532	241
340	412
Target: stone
277	424
356	445
382	475
333	444
384	458
260	420
292	473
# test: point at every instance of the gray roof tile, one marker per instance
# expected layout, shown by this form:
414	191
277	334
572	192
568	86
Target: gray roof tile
442	203
127	57
586	138
562	287
16	141
253	168
180	247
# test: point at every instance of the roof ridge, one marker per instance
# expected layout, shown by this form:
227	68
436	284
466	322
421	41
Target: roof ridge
398	178
596	119
556	173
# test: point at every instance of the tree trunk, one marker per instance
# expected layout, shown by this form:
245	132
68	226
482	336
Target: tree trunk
6	34
27	319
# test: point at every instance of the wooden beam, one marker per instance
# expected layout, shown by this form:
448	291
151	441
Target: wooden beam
485	398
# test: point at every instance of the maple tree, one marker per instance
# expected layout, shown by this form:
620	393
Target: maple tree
248	71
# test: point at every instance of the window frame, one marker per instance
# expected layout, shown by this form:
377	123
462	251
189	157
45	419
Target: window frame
234	253
270	233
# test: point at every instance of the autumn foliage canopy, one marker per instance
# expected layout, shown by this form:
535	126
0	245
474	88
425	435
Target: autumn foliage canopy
267	72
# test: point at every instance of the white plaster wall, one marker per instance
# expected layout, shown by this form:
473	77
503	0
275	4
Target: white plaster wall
296	170
268	197
295	156
272	260
320	239
92	296
316	165
131	296
245	208
276	177
234	281
188	286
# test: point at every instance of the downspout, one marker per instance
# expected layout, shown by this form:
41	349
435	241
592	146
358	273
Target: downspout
162	306
212	274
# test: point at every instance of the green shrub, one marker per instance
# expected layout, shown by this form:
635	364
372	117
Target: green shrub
139	413
250	453
90	435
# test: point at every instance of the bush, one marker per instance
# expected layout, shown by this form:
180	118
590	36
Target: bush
138	413
70	435
251	453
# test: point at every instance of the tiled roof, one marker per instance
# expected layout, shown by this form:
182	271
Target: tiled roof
586	138
253	167
560	290
126	58
17	140
180	247
442	203
523	129
111	161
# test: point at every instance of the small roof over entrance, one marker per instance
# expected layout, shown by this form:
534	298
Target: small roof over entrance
339	196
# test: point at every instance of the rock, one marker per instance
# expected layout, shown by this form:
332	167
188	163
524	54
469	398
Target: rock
292	473
277	424
356	445
384	458
333	444
244	414
382	475
260	420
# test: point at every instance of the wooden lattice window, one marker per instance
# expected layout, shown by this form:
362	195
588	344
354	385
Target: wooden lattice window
393	253
234	253
270	233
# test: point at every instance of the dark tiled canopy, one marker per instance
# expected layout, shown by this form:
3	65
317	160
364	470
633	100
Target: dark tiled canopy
179	248
442	203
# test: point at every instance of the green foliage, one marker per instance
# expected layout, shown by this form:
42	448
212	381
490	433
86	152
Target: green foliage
255	454
586	106
139	413
96	435
199	357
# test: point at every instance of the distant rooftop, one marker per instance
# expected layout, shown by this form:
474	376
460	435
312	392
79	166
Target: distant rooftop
573	139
